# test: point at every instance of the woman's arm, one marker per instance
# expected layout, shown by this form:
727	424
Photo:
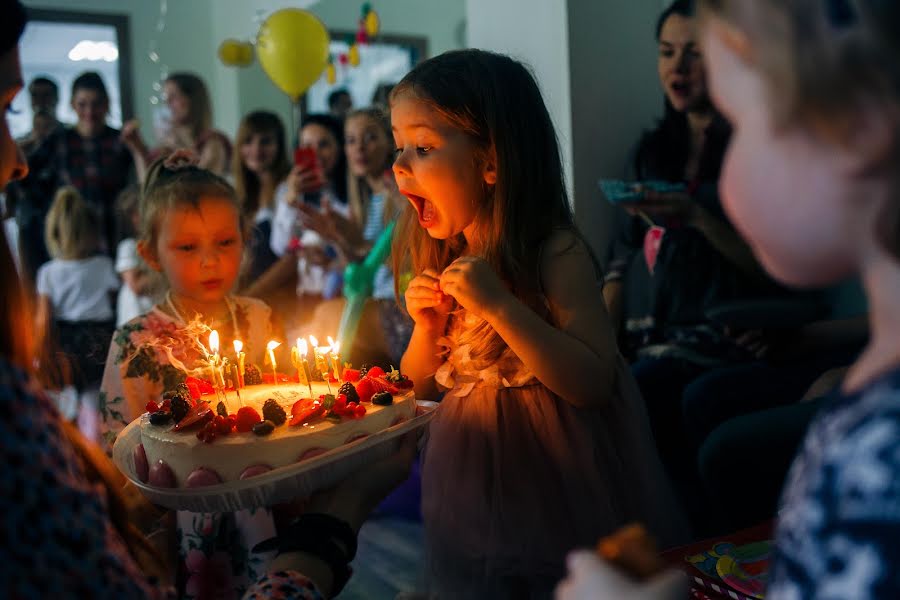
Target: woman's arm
140	154
137	280
43	313
282	274
214	155
576	358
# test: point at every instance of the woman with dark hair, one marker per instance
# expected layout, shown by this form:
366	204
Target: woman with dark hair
301	274
89	156
659	303
259	166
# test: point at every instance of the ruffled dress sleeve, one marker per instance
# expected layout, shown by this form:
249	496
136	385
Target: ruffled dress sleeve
136	372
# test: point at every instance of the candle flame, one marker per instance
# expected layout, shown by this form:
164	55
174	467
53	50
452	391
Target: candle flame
313	341
272	345
335	346
214	341
301	346
238	346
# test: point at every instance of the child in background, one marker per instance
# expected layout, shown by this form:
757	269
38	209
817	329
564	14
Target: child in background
192	232
813	90
75	291
541	443
134	295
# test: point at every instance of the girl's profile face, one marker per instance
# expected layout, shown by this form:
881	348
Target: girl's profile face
259	150
91	108
367	146
12	162
436	169
199	250
320	139
680	64
781	186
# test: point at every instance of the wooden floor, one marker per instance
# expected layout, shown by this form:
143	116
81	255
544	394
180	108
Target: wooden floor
388	561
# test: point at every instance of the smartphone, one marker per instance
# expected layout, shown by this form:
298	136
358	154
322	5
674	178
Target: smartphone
306	158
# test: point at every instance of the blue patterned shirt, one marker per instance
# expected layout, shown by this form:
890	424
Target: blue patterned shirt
838	534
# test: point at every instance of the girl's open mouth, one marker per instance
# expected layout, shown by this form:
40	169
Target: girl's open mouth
424	208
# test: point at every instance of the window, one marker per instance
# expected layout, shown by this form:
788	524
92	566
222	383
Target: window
63	44
384	61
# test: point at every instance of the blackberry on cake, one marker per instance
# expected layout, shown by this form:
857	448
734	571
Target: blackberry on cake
349	390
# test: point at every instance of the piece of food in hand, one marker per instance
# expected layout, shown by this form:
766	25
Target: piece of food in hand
633	550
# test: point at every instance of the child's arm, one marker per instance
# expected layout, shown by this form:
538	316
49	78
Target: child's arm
429	308
575	359
43	314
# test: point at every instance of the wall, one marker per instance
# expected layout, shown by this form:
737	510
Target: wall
615	96
537	35
595	63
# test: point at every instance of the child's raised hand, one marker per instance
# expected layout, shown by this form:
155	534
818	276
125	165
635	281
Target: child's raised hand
426	303
474	285
592	578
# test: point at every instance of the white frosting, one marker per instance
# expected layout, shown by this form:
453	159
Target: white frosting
229	455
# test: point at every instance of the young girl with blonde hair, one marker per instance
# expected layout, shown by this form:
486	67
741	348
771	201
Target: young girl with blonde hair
541	443
192	233
811	181
75	297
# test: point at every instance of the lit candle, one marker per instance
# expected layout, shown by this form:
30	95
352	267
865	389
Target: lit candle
321	363
336	358
298	358
237	379
215	372
214	359
239	355
271	348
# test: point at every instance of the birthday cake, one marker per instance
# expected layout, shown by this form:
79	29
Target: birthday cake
192	439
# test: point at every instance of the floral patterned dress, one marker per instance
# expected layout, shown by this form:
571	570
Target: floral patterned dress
149	355
514	477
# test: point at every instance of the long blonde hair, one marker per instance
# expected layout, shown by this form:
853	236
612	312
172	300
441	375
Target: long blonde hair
70	230
825	62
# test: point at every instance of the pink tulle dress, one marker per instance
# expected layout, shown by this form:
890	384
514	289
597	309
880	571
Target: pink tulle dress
514	477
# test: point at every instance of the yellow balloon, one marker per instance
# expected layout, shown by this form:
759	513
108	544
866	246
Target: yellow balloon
353	55
235	53
229	52
331	74
292	45
246	56
372	23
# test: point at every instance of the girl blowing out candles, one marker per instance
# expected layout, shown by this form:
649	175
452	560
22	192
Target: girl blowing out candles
540	443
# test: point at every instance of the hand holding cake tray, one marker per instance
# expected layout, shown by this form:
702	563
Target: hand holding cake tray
206	447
